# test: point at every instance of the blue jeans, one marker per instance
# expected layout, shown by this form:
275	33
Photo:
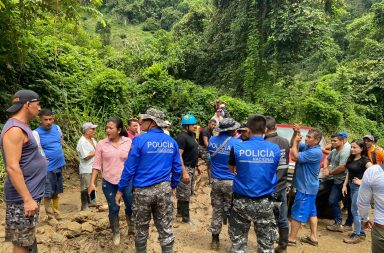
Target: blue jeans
356	217
333	201
110	191
282	214
348	203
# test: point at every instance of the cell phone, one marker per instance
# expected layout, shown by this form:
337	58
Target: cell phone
92	195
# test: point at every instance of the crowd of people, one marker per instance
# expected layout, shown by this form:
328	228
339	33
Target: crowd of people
141	164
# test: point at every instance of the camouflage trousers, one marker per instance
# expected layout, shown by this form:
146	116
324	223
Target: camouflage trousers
259	211
155	200
204	154
221	200
19	229
184	191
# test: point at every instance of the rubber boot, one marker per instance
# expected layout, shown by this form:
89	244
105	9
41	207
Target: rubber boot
283	240
167	248
84	200
215	244
179	204
114	222
33	248
185	212
131	225
56	212
141	247
49	208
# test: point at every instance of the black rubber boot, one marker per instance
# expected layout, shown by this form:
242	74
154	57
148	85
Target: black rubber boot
33	248
185	212
131	225
167	248
84	200
114	222
215	244
283	240
179	204
141	247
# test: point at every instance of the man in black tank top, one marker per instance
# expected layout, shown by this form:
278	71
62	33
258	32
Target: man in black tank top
26	171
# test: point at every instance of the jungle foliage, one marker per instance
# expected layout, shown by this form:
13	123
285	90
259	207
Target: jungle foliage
314	62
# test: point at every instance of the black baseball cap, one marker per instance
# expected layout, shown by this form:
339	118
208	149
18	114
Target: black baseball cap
20	98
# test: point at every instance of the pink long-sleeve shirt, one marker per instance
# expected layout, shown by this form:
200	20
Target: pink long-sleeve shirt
110	160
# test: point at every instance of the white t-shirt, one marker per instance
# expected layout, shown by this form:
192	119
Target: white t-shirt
84	148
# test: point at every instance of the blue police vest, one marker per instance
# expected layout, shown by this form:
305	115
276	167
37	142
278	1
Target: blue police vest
256	166
153	157
219	163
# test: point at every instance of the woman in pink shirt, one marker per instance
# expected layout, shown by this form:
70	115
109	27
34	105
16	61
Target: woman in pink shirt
111	154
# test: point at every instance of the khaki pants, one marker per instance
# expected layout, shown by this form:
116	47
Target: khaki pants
377	239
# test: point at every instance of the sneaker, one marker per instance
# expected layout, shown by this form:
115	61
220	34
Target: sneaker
353	239
347	228
335	227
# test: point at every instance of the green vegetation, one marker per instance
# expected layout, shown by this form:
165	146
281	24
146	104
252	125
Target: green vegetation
319	63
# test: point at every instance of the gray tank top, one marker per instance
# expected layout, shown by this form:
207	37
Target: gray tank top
33	165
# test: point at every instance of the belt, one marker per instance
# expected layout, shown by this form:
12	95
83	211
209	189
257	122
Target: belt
378	225
239	196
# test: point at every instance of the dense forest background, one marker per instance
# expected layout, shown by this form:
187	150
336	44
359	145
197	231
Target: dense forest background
314	62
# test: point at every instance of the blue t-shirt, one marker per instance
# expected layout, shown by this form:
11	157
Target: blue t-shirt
256	166
152	158
219	163
308	169
50	141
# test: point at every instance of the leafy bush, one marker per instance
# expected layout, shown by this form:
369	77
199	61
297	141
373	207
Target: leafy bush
151	25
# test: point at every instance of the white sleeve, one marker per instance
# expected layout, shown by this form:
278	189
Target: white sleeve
37	138
365	194
59	129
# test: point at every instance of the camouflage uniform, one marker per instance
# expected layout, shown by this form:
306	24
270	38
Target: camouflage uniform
19	229
184	191
221	199
247	210
155	200
204	154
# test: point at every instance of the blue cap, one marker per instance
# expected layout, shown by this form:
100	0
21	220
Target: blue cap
344	134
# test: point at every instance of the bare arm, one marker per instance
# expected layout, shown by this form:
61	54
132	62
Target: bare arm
184	172
92	186
326	164
205	140
339	169
232	168
295	148
92	154
13	142
344	189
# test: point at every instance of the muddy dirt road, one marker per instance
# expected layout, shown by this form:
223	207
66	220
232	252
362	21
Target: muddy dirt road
88	231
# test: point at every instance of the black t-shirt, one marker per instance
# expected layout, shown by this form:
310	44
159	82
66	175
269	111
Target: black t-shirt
206	132
232	158
356	168
188	144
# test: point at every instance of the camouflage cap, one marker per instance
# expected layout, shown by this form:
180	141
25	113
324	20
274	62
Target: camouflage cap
227	124
155	115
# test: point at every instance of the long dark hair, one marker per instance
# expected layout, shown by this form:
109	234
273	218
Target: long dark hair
364	152
119	125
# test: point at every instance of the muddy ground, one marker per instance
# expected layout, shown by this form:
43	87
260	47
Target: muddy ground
89	232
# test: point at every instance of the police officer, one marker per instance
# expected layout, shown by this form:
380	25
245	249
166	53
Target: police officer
189	151
222	178
255	163
280	195
154	156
